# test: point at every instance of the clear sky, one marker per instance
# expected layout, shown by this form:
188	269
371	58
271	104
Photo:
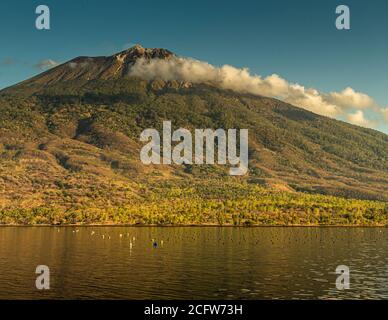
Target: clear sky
294	39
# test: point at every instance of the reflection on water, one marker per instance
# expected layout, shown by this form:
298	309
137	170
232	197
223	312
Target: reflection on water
193	262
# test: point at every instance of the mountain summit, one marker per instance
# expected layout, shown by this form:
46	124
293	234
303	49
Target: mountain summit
103	67
132	54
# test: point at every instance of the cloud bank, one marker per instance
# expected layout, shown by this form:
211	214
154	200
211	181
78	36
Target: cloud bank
358	118
348	104
384	112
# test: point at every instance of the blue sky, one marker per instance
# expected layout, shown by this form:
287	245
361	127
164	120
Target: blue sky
294	39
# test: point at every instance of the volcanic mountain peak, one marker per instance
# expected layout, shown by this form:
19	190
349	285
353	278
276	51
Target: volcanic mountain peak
137	51
103	67
129	55
124	58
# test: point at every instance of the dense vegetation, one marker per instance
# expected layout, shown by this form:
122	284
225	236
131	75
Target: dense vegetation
69	153
215	203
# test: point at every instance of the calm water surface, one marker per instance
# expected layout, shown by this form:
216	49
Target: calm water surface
193	262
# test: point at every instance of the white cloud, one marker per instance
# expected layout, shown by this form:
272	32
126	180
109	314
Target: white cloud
226	77
229	77
312	100
333	104
384	112
348	98
80	63
359	119
46	64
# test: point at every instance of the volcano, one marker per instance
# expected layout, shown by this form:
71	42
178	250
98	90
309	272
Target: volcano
69	137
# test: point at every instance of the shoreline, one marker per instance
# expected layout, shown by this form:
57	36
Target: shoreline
199	225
